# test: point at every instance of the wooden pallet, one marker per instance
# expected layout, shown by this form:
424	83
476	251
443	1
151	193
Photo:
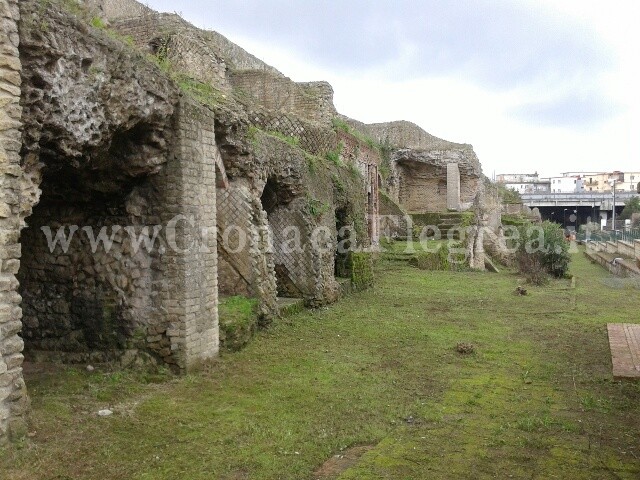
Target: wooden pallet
624	341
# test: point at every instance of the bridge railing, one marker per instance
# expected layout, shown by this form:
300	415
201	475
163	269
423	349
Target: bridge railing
624	234
581	196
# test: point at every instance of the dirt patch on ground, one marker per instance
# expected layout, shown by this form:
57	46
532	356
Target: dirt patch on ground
341	462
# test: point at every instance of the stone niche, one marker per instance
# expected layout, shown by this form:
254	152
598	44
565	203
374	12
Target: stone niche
106	271
434	180
423	187
293	266
115	150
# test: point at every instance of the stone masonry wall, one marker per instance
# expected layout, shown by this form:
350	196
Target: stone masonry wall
13	396
115	10
96	304
245	252
403	134
179	43
83	304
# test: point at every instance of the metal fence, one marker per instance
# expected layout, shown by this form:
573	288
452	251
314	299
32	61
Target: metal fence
624	234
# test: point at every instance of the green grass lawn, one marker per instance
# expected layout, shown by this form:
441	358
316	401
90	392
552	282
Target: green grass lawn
536	400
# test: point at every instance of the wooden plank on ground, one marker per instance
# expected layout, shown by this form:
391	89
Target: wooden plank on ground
624	341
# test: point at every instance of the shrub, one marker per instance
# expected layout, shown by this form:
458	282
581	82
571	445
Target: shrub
531	267
542	247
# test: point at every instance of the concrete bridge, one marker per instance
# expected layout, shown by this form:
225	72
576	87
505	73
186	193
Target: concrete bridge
574	209
596	200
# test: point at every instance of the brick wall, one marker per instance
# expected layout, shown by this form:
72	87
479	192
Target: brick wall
189	291
367	160
13	397
312	101
422	189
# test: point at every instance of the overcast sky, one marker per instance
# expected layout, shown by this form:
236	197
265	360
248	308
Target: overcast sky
533	85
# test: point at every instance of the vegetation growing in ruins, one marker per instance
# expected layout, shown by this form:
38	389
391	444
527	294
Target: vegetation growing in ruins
335	156
379	369
317	208
361	266
508	195
312	162
385	163
514	220
71	6
291	140
631	206
441	255
205	93
341	125
238	321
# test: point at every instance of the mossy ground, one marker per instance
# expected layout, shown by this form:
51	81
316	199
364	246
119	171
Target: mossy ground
535	400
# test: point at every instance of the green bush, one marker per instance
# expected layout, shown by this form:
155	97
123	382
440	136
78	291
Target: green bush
542	246
631	206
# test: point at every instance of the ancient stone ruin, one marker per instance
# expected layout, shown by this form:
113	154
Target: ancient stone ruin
150	166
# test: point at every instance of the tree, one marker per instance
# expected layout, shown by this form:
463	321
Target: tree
631	206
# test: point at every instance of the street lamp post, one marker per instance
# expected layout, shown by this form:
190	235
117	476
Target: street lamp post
613	217
564	218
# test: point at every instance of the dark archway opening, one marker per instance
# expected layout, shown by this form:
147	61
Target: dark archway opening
87	290
343	243
276	199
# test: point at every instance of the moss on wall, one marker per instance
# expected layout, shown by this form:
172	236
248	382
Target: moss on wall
361	270
238	321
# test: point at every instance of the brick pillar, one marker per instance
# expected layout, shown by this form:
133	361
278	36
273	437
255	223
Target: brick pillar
453	186
13	396
190	292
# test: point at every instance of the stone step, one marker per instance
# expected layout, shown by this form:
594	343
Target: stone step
289	306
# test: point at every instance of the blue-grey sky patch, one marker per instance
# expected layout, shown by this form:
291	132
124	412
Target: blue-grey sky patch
494	73
499	44
570	111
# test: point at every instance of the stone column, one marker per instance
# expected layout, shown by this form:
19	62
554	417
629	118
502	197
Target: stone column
453	186
13	397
